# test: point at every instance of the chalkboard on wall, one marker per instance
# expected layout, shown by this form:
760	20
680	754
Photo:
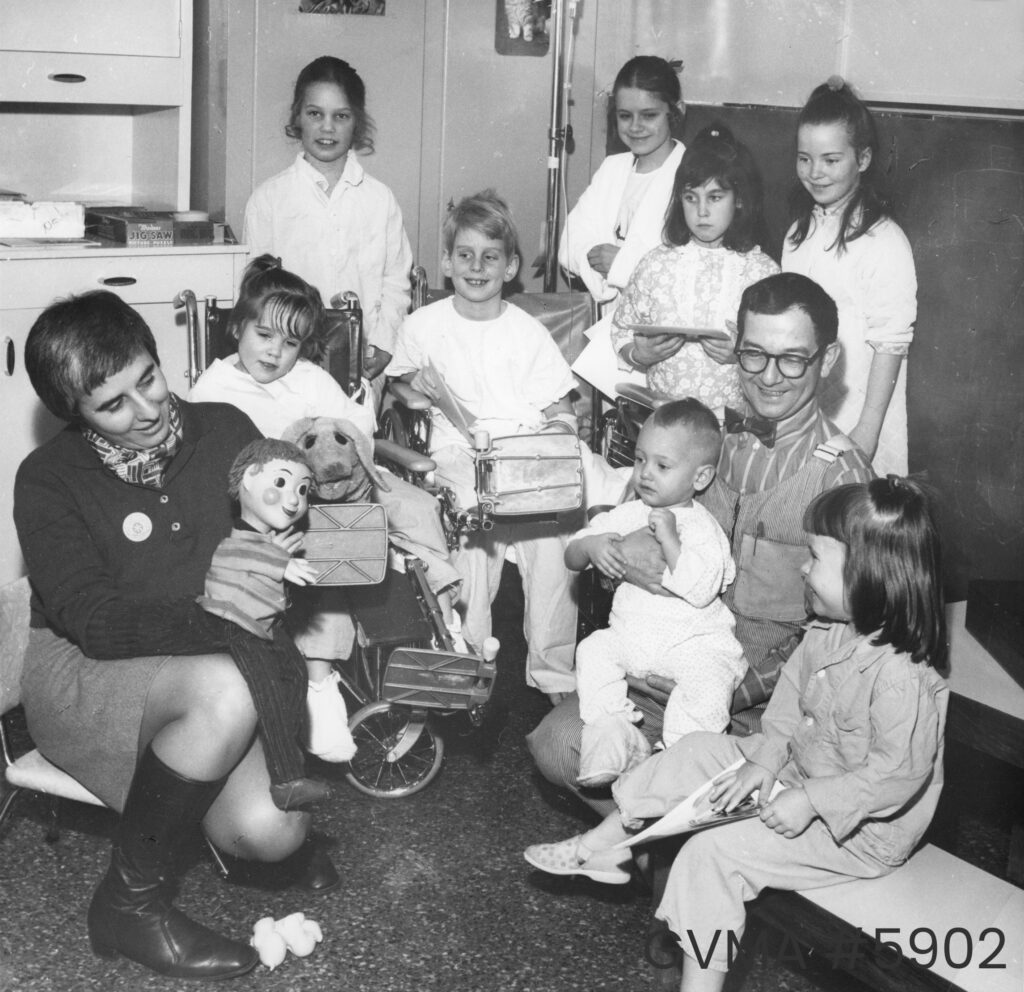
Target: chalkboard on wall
958	184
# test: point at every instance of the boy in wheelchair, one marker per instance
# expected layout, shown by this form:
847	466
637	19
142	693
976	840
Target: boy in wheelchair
684	633
489	366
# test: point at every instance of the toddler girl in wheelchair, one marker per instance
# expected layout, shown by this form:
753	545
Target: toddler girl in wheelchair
683	631
508	377
274	378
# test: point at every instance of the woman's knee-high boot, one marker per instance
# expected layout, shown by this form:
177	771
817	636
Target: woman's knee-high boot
131	911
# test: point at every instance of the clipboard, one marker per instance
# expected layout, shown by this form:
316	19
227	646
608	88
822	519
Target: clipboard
651	330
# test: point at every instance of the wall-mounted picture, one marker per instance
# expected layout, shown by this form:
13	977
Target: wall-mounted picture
521	27
342	7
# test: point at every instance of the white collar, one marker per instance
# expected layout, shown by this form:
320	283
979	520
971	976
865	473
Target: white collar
351	176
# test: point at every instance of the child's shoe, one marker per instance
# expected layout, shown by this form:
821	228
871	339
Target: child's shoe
299	792
573	857
329	736
610	746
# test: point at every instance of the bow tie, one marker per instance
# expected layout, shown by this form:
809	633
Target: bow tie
763	430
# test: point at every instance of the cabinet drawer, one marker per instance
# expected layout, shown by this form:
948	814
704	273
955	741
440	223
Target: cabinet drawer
48	77
112	27
36	283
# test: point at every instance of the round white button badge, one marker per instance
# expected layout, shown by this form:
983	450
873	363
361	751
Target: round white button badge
137	527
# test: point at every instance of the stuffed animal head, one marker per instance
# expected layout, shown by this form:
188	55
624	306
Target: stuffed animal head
341	457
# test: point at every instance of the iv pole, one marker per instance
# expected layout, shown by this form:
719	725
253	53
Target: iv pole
564	18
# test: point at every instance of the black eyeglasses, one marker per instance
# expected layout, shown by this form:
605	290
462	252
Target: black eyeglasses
790	366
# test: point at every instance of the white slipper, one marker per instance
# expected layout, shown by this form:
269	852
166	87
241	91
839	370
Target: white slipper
573	857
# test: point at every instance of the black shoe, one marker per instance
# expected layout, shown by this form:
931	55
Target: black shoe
131	912
309	868
663	953
161	937
314	870
299	792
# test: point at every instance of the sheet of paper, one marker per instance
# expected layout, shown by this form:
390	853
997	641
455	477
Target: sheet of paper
449	404
695	812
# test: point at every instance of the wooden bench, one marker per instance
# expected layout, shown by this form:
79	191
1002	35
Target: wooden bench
937	923
956	928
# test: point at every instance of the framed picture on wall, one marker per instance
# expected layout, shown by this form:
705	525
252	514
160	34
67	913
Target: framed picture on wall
342	7
521	27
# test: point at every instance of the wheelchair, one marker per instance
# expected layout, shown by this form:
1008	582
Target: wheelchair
342	340
405	670
517	475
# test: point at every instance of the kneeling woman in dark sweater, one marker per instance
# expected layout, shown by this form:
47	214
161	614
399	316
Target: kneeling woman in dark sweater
128	685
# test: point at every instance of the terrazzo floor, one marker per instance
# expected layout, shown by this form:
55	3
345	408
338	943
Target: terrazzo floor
435	891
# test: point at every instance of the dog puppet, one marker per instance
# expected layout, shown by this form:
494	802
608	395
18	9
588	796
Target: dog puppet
341	456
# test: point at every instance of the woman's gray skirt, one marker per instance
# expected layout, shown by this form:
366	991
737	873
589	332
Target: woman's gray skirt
85	715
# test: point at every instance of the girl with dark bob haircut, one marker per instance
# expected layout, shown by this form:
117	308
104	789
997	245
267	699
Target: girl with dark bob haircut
893	569
716	155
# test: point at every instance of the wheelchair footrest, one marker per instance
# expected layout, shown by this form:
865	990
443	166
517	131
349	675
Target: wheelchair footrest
438	679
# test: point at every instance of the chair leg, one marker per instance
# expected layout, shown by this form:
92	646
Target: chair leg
53	822
52	834
7	805
218	862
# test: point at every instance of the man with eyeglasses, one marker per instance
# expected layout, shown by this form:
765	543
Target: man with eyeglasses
777	456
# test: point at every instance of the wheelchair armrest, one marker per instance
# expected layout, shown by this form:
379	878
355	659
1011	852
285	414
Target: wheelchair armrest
411	398
404	458
643	395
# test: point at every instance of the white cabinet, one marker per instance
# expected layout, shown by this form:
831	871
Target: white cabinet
148	279
95	106
95	101
112	27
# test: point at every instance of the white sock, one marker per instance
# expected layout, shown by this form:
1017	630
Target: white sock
329	736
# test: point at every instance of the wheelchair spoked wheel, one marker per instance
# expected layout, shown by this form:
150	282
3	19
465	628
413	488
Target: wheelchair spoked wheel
392	428
398	751
410	429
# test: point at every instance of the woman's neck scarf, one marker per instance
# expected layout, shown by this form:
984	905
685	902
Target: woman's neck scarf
139	468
